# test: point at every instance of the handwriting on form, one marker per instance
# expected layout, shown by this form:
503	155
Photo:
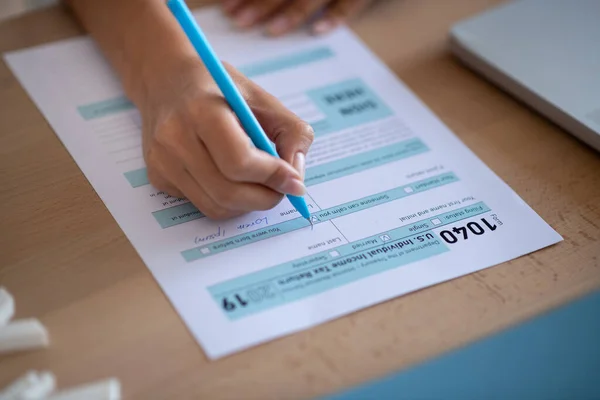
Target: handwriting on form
219	233
258	221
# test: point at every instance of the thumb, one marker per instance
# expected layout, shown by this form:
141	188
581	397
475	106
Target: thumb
291	135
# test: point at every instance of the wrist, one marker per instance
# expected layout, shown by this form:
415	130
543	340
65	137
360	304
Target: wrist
165	79
157	57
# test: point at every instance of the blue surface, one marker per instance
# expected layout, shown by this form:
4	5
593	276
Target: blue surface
554	356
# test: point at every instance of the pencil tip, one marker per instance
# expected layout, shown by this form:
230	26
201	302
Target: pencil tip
312	226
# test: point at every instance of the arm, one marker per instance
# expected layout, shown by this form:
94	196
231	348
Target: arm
139	38
193	144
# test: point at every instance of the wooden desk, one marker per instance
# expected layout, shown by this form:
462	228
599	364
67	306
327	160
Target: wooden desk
67	262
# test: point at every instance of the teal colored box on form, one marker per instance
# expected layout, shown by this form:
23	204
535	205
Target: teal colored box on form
105	108
322	216
119	104
137	178
286	62
187	212
346	104
298	279
363	161
177	215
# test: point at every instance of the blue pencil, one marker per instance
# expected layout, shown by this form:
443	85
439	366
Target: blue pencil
228	88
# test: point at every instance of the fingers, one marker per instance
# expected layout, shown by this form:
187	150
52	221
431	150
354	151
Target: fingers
196	148
337	13
231	6
187	170
233	152
254	11
200	198
294	15
167	173
285	15
205	141
292	136
236	196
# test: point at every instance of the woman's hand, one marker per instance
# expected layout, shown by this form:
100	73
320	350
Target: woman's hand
283	16
194	146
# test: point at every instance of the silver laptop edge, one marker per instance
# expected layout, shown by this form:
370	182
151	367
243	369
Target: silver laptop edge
468	43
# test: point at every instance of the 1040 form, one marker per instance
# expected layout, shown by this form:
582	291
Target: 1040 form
398	203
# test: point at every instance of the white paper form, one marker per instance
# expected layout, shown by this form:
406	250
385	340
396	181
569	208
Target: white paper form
398	202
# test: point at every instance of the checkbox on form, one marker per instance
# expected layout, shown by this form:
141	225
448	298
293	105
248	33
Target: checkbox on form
436	221
334	253
408	189
205	250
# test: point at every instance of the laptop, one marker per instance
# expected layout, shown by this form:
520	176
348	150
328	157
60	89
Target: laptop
545	53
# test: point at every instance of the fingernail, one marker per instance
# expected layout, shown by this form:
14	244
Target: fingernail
229	5
246	17
300	164
323	26
293	186
280	25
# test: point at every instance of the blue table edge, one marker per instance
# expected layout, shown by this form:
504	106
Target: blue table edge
555	355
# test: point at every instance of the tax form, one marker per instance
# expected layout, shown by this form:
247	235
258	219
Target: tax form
398	202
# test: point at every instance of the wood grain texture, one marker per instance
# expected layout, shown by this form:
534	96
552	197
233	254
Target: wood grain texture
67	262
